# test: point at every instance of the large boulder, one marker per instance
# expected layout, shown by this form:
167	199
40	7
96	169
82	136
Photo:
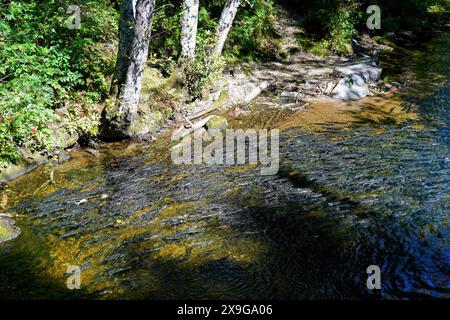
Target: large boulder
369	71
357	75
352	87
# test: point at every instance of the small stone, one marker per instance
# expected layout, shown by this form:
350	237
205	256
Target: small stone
288	97
329	88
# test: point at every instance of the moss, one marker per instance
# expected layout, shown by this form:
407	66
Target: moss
171	251
248	71
217	122
168	112
158	102
242	169
383	40
223	98
153	79
178	177
4	231
233	191
149	122
319	49
175	209
7	230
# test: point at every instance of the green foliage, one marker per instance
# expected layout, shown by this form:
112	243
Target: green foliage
328	28
341	30
25	128
253	32
44	65
206	68
251	37
331	26
253	22
83	116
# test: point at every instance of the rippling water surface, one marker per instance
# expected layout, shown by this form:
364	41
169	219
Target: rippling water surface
360	184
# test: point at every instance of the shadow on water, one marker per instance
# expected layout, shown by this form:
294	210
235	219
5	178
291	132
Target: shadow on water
20	279
139	265
360	184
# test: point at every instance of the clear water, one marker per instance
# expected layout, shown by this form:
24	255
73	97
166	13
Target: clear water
362	184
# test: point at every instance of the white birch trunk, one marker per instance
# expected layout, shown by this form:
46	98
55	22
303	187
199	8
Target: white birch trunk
225	23
189	23
126	32
133	54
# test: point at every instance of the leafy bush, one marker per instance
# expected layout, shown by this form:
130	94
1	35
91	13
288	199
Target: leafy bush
341	30
251	37
44	66
253	32
331	26
201	72
253	22
26	128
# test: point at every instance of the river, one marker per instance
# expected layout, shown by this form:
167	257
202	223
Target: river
362	183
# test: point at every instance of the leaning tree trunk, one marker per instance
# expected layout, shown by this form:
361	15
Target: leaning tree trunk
189	23
126	33
225	23
135	33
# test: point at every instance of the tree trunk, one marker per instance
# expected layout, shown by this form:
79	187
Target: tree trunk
135	33
189	23
225	23
126	32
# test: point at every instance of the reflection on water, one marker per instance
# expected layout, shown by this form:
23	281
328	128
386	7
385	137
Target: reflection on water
360	184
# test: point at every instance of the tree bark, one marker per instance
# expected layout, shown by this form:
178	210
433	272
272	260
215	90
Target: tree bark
189	23
126	32
135	34
225	23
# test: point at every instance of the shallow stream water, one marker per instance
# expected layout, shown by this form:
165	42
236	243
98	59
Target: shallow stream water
360	184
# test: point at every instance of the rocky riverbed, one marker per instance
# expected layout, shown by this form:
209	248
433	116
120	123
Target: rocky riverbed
360	183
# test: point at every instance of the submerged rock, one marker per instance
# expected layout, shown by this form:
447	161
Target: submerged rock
7	229
28	163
